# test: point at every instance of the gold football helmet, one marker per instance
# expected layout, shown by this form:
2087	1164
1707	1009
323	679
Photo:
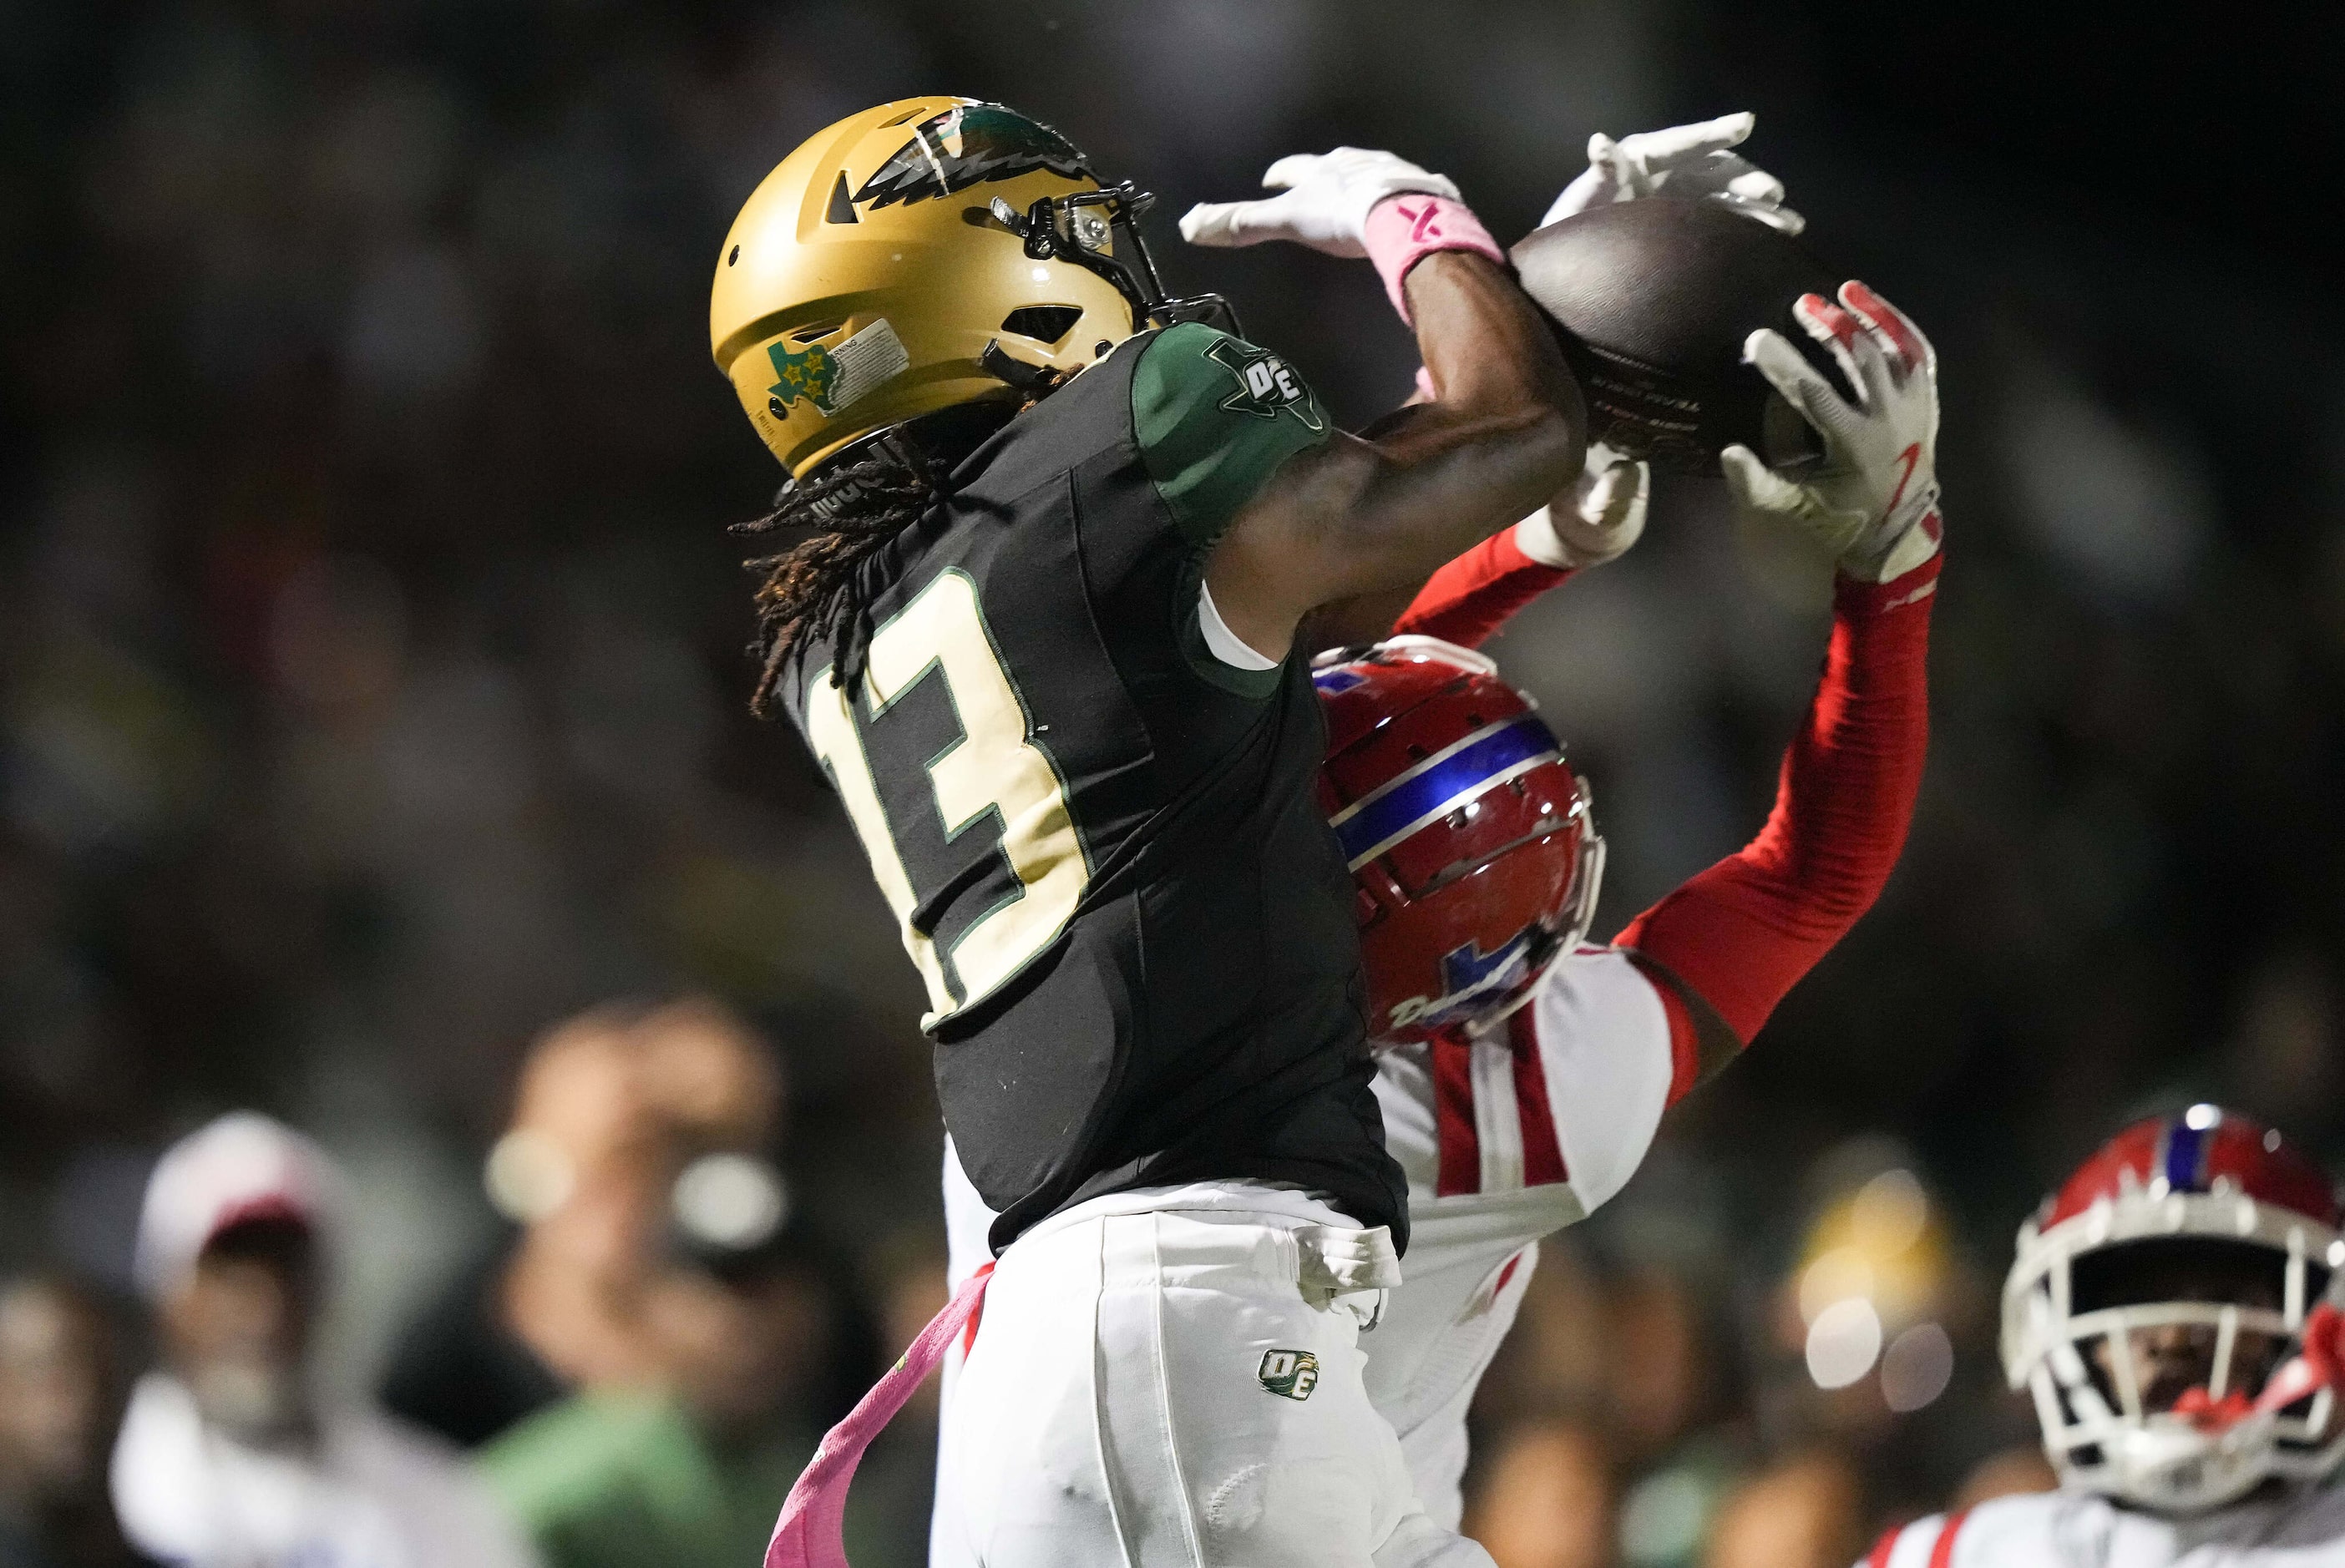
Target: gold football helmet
925	254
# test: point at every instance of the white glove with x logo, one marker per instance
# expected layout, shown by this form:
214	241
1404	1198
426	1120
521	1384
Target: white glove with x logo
1685	161
1323	204
1874	501
1596	520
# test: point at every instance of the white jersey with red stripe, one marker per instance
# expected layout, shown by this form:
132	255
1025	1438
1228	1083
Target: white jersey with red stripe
2296	1527
1505	1138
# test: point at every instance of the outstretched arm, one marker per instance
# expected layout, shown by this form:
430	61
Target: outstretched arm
1732	942
1365	514
1602	513
1358	515
1613	1036
1469	598
1738	936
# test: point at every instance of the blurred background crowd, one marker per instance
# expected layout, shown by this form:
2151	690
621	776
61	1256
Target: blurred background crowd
374	751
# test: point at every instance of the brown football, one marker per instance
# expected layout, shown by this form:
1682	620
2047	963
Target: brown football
1652	301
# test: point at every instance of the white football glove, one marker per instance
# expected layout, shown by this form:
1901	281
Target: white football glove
1596	520
1874	501
1324	202
1685	161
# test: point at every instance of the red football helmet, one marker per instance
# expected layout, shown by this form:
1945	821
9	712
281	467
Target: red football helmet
1470	838
2154	1296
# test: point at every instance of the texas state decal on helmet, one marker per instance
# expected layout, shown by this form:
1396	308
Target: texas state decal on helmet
1467	836
2159	1307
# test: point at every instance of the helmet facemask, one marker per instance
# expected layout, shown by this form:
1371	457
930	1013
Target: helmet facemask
2146	1347
1100	230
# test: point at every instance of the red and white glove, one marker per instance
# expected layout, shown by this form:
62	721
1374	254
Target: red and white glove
1873	502
1323	201
1594	522
1690	162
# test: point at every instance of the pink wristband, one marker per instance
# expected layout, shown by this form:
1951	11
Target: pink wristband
1403	230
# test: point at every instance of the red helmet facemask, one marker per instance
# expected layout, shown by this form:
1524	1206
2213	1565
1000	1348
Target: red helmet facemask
1467	836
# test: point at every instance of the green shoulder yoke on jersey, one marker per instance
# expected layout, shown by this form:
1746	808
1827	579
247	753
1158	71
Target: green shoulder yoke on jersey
1215	416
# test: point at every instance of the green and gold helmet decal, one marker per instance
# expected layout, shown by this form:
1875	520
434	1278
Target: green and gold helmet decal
832	376
969	145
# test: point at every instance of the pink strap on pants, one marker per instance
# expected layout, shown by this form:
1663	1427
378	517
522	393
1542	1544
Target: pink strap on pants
808	1533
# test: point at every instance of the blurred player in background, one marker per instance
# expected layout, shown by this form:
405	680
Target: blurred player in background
612	1108
62	1387
1522	1076
753	1347
2169	1313
1050	538
230	1457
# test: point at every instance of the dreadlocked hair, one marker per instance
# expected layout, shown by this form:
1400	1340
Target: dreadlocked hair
848	511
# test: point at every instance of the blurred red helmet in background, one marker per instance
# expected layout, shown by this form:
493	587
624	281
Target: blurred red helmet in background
2206	1195
1468	838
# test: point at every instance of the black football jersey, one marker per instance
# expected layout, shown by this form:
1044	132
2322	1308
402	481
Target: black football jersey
1101	842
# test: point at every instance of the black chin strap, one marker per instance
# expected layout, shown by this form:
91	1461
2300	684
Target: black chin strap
1033	380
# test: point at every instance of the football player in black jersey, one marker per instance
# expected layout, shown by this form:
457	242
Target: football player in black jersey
1047	540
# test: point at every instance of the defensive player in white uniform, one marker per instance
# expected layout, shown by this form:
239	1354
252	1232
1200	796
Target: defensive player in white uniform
2151	1313
1520	1089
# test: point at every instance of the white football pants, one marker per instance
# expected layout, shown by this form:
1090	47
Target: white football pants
1179	1389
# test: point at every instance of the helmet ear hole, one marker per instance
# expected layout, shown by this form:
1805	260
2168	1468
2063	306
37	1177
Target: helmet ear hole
1043	323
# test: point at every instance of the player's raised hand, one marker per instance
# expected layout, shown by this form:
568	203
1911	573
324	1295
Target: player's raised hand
1597	520
1323	204
1690	162
1874	501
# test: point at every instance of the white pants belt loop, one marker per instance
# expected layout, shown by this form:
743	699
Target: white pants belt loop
1352	1268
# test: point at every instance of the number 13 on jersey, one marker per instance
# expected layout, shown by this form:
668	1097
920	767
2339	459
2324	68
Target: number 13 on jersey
994	769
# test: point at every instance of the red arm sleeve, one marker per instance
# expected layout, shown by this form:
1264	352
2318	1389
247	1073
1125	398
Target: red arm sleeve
1741	934
1474	595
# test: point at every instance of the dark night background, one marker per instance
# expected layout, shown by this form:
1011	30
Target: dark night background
371	691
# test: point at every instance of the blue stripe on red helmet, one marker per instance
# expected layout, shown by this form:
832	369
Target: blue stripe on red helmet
2184	1165
1442	784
